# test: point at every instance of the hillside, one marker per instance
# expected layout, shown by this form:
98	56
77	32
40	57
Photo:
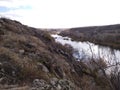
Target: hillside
28	54
103	35
30	59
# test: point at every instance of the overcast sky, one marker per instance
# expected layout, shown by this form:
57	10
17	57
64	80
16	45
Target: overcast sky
62	13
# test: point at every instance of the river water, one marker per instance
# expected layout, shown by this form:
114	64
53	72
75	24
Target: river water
86	50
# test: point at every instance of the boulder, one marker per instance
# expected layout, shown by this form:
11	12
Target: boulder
43	67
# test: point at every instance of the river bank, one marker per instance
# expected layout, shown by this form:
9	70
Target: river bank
101	35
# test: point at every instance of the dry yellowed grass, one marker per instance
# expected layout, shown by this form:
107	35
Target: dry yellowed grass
28	67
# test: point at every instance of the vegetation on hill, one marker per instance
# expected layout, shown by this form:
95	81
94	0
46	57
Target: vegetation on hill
31	59
102	35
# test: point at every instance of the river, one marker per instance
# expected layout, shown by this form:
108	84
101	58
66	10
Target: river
86	50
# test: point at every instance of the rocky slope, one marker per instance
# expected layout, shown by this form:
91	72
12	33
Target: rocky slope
30	59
